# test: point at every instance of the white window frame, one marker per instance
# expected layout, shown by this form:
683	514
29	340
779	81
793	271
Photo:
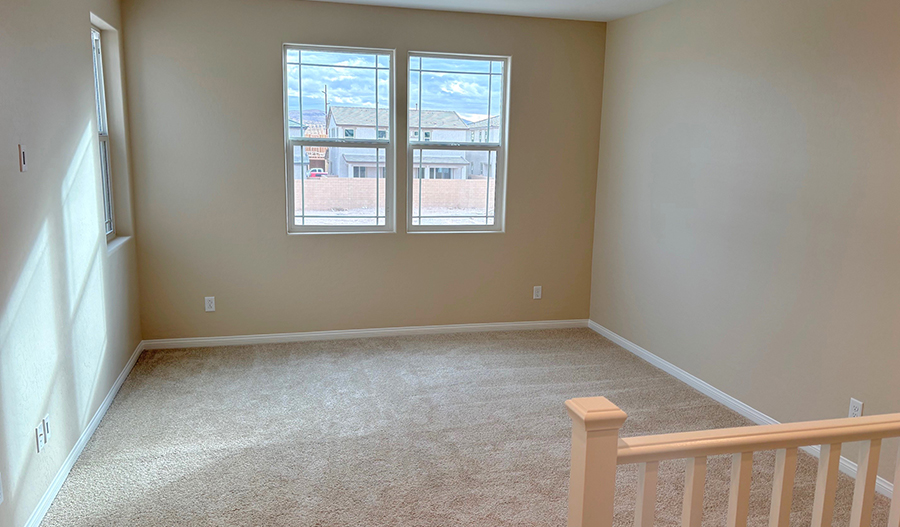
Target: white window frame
109	212
500	148
388	145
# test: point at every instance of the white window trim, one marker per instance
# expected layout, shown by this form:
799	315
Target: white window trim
500	149
387	144
109	210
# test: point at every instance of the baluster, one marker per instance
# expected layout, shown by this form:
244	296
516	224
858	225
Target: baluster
694	480
645	508
864	491
826	484
783	487
739	498
894	518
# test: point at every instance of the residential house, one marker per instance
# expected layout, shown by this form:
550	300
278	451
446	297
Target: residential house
480	163
356	122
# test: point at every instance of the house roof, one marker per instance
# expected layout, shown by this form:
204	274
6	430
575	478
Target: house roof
495	123
426	160
361	116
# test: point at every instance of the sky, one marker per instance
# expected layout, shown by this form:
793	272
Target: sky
447	84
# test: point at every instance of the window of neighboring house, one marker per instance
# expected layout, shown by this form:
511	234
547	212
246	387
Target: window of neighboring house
323	204
441	173
103	132
452	93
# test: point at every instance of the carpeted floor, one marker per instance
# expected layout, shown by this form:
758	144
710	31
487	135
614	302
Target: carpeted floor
431	431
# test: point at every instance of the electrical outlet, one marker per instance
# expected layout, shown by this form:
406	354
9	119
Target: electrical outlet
856	408
210	303
537	292
46	424
39	438
23	161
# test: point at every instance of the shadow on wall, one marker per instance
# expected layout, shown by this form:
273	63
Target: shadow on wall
53	334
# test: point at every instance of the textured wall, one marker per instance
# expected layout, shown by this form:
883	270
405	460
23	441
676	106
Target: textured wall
747	221
205	82
68	302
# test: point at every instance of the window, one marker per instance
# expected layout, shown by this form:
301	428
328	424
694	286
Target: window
103	132
441	173
457	177
349	89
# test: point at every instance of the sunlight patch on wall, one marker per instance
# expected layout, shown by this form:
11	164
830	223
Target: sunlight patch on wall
28	353
88	340
83	228
81	214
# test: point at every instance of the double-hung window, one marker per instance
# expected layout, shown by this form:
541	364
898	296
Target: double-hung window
457	147
103	133
338	128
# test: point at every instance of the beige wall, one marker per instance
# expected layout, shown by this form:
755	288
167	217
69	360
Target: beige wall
205	85
68	304
747	219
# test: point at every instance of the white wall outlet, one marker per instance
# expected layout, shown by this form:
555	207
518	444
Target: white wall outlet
46	424
39	438
210	303
23	161
856	408
537	292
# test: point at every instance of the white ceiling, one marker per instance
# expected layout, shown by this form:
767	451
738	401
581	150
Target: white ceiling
598	10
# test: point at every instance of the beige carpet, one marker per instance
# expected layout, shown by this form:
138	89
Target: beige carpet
435	431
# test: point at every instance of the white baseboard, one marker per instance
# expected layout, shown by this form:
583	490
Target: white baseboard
882	486
37	516
277	338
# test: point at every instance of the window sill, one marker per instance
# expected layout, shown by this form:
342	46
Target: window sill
466	231
304	233
116	243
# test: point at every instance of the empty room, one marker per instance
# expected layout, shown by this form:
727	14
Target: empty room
432	263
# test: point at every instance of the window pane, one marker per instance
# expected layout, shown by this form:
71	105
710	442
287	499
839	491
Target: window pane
357	85
338	186
456	97
107	187
441	64
338	96
99	87
453	187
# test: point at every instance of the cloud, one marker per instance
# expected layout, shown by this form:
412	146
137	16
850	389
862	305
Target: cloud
463	92
463	88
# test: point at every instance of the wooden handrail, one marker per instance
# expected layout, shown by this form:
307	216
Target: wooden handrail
755	438
597	450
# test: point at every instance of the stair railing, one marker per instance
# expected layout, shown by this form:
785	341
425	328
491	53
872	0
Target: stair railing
597	450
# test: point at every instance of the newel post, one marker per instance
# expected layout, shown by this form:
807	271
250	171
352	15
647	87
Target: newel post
592	478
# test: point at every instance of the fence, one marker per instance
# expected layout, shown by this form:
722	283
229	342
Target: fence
338	194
